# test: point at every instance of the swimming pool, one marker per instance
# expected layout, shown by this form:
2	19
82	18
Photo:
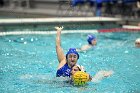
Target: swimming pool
28	63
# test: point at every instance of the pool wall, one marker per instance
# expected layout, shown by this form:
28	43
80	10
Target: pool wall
48	24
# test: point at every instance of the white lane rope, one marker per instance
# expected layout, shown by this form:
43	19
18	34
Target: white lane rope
45	32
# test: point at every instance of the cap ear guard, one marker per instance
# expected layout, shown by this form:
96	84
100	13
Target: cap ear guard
81	68
72	50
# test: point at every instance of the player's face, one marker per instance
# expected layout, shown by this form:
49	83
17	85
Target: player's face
74	70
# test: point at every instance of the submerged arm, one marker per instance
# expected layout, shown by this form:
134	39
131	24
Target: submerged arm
83	48
100	75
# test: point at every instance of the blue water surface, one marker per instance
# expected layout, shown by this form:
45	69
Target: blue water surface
28	63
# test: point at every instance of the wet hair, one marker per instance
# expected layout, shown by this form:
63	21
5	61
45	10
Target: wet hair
78	67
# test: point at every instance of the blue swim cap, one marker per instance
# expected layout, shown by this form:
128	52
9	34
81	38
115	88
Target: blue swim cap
72	50
90	38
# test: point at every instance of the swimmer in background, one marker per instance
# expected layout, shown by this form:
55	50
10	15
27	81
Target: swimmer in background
96	78
137	43
91	43
65	62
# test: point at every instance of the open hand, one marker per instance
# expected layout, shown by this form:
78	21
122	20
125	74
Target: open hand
59	28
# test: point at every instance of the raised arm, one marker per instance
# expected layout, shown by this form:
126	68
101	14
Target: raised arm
59	50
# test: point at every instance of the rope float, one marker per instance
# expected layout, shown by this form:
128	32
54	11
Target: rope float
70	31
45	32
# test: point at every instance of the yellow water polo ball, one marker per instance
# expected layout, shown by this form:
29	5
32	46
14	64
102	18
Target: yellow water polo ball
80	78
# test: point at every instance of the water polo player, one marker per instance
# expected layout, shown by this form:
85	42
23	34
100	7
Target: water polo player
91	39
79	77
137	43
65	62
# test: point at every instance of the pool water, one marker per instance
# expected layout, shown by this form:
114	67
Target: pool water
28	63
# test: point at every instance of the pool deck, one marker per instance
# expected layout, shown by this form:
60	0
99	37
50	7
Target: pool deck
63	19
58	19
